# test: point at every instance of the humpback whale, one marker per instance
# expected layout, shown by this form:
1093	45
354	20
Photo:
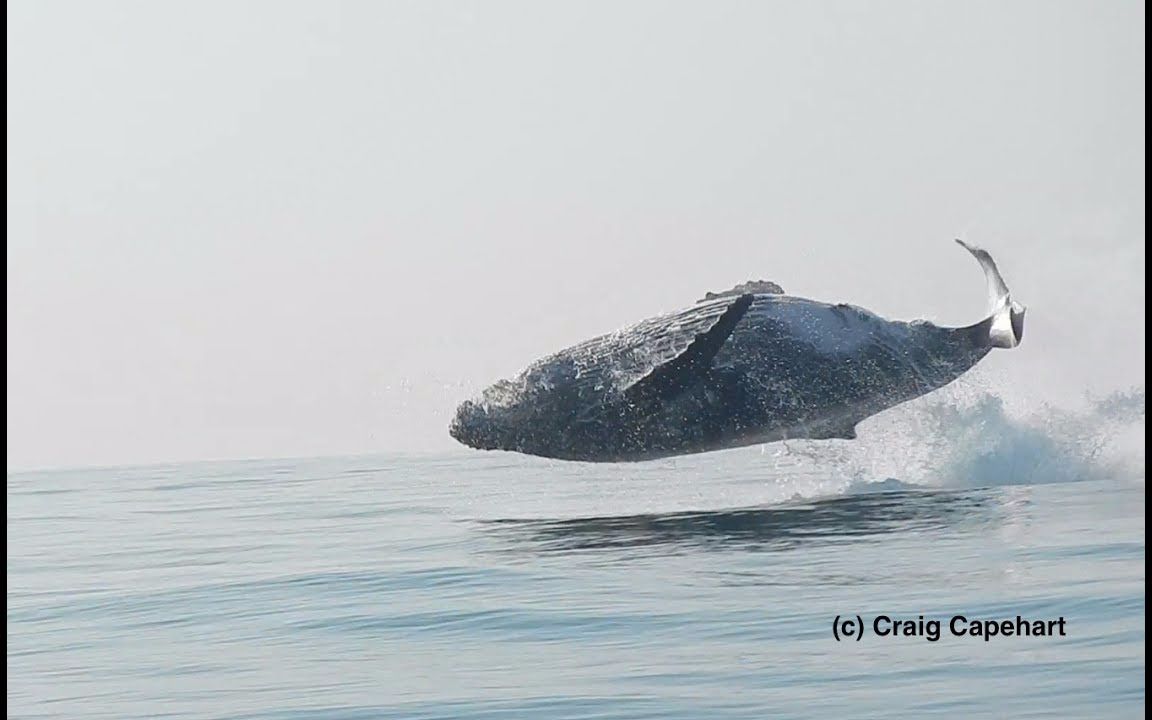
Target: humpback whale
746	366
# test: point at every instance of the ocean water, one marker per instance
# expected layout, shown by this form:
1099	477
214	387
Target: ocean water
475	585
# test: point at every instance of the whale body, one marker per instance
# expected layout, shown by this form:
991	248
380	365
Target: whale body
747	366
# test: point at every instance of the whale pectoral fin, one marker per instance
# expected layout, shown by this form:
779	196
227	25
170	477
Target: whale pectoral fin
670	378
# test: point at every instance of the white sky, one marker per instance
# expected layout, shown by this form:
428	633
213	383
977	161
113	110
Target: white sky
253	229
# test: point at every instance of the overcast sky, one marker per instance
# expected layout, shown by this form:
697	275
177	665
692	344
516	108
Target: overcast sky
254	229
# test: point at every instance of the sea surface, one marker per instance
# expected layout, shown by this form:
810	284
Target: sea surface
479	585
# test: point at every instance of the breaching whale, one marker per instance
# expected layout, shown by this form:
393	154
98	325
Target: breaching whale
746	366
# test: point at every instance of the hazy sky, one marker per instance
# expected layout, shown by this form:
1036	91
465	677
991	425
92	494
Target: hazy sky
253	229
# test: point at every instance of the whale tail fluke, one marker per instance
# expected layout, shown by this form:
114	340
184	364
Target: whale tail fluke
1005	320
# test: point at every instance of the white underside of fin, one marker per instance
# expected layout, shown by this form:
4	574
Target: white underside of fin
1003	332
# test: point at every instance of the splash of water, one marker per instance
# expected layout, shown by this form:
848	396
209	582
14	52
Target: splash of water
970	439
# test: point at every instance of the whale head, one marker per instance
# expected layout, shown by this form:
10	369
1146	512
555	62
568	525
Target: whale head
494	420
474	426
